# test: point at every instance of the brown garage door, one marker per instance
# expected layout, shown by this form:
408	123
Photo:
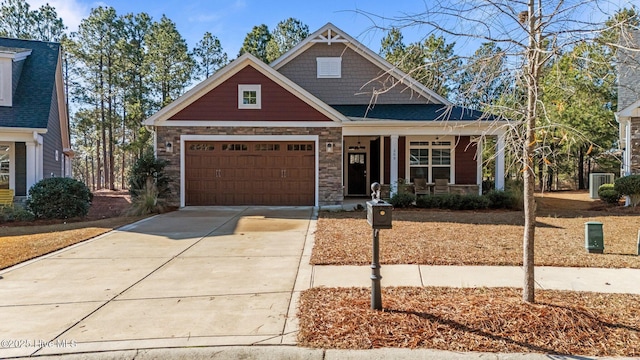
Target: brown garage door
249	173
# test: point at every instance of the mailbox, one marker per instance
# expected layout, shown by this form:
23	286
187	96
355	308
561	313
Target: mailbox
379	214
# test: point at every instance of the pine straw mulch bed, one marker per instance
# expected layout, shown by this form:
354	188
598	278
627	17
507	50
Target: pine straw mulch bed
439	237
485	320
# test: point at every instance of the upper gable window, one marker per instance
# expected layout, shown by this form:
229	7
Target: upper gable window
249	97
329	67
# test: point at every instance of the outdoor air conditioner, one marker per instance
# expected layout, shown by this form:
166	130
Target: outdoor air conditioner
596	180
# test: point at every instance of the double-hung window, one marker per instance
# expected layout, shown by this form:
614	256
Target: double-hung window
430	159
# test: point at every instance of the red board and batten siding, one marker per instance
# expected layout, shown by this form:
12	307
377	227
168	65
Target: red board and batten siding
466	165
402	141
221	103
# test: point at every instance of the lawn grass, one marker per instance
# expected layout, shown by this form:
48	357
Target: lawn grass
21	243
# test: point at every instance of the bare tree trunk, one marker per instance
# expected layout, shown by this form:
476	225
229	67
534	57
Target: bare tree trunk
532	74
124	153
581	169
98	181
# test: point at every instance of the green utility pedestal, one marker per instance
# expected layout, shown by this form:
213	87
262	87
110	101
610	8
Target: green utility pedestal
593	237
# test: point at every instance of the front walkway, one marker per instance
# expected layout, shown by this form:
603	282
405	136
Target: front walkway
200	276
623	281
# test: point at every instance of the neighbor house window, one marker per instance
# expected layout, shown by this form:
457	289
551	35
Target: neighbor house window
329	67
249	97
430	160
5	162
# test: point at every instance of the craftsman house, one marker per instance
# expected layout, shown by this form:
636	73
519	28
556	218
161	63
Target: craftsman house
34	127
318	124
628	115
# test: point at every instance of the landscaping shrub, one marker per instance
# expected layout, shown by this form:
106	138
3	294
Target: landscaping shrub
474	202
629	186
59	198
148	167
609	194
453	202
428	202
500	199
147	201
16	213
402	200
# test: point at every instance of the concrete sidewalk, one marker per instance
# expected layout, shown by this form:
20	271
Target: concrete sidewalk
623	281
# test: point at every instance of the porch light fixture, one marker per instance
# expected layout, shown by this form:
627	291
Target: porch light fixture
169	147
358	146
329	147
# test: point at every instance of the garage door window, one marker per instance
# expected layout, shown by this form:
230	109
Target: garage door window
267	147
234	147
299	147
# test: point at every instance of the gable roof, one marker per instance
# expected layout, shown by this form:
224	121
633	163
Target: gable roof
226	73
632	110
330	33
35	85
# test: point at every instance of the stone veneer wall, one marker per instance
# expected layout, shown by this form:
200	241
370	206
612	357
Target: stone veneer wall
330	169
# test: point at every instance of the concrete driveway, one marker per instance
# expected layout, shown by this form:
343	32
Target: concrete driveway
199	276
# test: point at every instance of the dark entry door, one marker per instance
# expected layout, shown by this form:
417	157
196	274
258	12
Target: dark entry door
357	174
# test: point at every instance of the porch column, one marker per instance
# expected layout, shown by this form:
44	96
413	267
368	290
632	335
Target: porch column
626	154
626	163
479	161
32	164
500	162
393	181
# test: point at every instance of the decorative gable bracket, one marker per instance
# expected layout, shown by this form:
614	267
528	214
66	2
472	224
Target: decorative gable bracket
329	37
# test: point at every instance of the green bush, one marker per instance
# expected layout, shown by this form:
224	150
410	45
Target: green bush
629	186
59	198
148	167
453	202
609	194
428	202
402	200
500	199
16	213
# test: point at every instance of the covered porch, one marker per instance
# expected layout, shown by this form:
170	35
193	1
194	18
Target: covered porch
434	154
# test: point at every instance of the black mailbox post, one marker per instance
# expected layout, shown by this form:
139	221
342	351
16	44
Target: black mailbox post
379	217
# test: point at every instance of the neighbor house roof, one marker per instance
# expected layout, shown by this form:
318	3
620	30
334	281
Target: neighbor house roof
35	84
411	112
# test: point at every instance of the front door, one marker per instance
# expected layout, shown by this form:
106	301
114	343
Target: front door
357	174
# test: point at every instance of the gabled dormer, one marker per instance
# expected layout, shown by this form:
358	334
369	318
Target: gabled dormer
11	61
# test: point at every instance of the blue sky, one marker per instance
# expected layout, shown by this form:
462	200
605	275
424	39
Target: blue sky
231	20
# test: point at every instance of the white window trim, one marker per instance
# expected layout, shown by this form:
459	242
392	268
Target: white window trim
452	148
249	87
329	67
12	163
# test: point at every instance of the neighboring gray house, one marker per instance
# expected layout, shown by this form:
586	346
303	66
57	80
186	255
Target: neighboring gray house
629	104
34	126
322	122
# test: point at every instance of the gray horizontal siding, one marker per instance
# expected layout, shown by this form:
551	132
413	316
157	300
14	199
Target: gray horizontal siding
360	79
